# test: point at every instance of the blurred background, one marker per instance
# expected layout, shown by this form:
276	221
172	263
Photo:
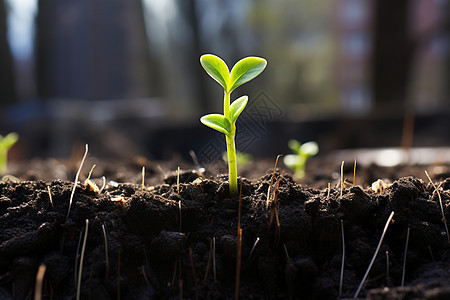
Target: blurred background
124	75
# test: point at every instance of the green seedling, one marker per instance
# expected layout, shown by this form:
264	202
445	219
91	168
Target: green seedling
243	71
242	158
302	153
5	144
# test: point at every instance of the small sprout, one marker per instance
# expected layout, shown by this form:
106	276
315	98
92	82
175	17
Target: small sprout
297	161
6	143
90	185
242	158
379	186
243	71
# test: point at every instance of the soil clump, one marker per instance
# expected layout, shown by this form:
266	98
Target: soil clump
166	241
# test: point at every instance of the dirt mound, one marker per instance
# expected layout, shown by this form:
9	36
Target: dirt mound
167	242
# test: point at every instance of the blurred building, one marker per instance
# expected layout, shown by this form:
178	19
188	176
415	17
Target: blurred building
115	65
353	31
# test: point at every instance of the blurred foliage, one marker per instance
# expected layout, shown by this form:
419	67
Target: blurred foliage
297	39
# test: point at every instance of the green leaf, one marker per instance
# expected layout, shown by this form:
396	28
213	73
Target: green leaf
245	70
9	140
291	160
237	107
217	122
309	149
216	68
294	145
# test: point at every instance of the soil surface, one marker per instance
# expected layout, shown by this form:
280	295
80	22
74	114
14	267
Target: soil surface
169	241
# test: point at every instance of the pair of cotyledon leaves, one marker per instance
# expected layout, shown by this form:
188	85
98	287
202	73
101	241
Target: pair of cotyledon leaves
243	71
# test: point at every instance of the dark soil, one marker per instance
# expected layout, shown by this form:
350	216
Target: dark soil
168	244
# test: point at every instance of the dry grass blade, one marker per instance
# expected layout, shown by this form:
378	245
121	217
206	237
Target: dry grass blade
374	256
404	258
208	265
90	172
388	279
436	189
103	184
145	275
106	250
328	192
269	191
214	259
274	212
273	203
118	275
50	195
179	215
341	281
178	180
76	181
39	282
342	177
81	260
143	179
253	248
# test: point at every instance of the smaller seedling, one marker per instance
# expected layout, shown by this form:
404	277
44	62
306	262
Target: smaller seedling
5	144
302	153
242	158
